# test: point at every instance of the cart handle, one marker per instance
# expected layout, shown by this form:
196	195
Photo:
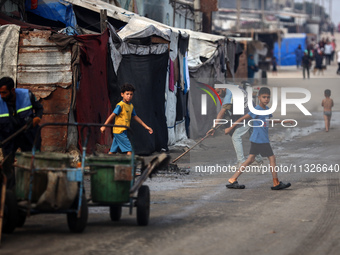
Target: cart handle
83	125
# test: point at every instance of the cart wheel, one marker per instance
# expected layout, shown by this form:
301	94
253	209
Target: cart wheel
143	205
115	212
77	225
10	213
21	218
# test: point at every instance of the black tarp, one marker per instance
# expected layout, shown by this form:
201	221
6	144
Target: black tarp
148	75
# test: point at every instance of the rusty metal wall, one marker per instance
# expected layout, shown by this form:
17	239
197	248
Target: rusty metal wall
46	71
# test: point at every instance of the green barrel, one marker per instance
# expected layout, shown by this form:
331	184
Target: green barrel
111	178
42	160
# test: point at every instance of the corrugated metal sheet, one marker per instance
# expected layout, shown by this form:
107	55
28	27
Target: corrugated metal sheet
41	64
46	71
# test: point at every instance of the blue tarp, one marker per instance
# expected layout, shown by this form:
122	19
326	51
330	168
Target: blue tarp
288	47
54	10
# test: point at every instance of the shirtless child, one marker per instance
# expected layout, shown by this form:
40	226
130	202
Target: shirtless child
327	104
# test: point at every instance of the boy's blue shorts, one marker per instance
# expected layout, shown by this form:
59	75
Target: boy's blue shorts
121	141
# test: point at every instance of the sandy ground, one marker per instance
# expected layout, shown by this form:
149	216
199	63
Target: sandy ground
195	214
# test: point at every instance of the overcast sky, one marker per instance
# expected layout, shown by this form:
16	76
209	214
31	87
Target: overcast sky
335	7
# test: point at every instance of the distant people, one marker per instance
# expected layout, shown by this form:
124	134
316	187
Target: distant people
298	55
252	68
333	49
306	62
327	104
322	43
328	52
318	62
274	64
338	58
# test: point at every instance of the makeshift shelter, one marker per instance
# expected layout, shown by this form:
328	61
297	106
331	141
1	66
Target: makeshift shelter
61	73
140	56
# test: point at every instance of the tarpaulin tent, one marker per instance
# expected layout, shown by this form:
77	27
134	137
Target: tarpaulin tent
143	63
175	100
289	44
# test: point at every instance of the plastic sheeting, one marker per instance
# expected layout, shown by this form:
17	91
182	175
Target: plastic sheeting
9	38
57	10
288	47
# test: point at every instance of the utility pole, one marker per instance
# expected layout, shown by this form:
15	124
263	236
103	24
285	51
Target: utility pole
174	14
197	9
238	25
314	8
304	7
277	6
262	9
330	9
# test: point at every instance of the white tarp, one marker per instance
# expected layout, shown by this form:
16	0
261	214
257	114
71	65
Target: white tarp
139	28
202	45
9	41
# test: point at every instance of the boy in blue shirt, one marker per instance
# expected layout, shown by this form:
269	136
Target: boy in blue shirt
122	114
259	142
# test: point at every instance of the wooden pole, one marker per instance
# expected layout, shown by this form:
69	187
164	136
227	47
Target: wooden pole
238	25
262	10
103	20
174	14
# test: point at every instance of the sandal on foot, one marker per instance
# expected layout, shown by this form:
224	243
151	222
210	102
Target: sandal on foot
235	185
281	186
